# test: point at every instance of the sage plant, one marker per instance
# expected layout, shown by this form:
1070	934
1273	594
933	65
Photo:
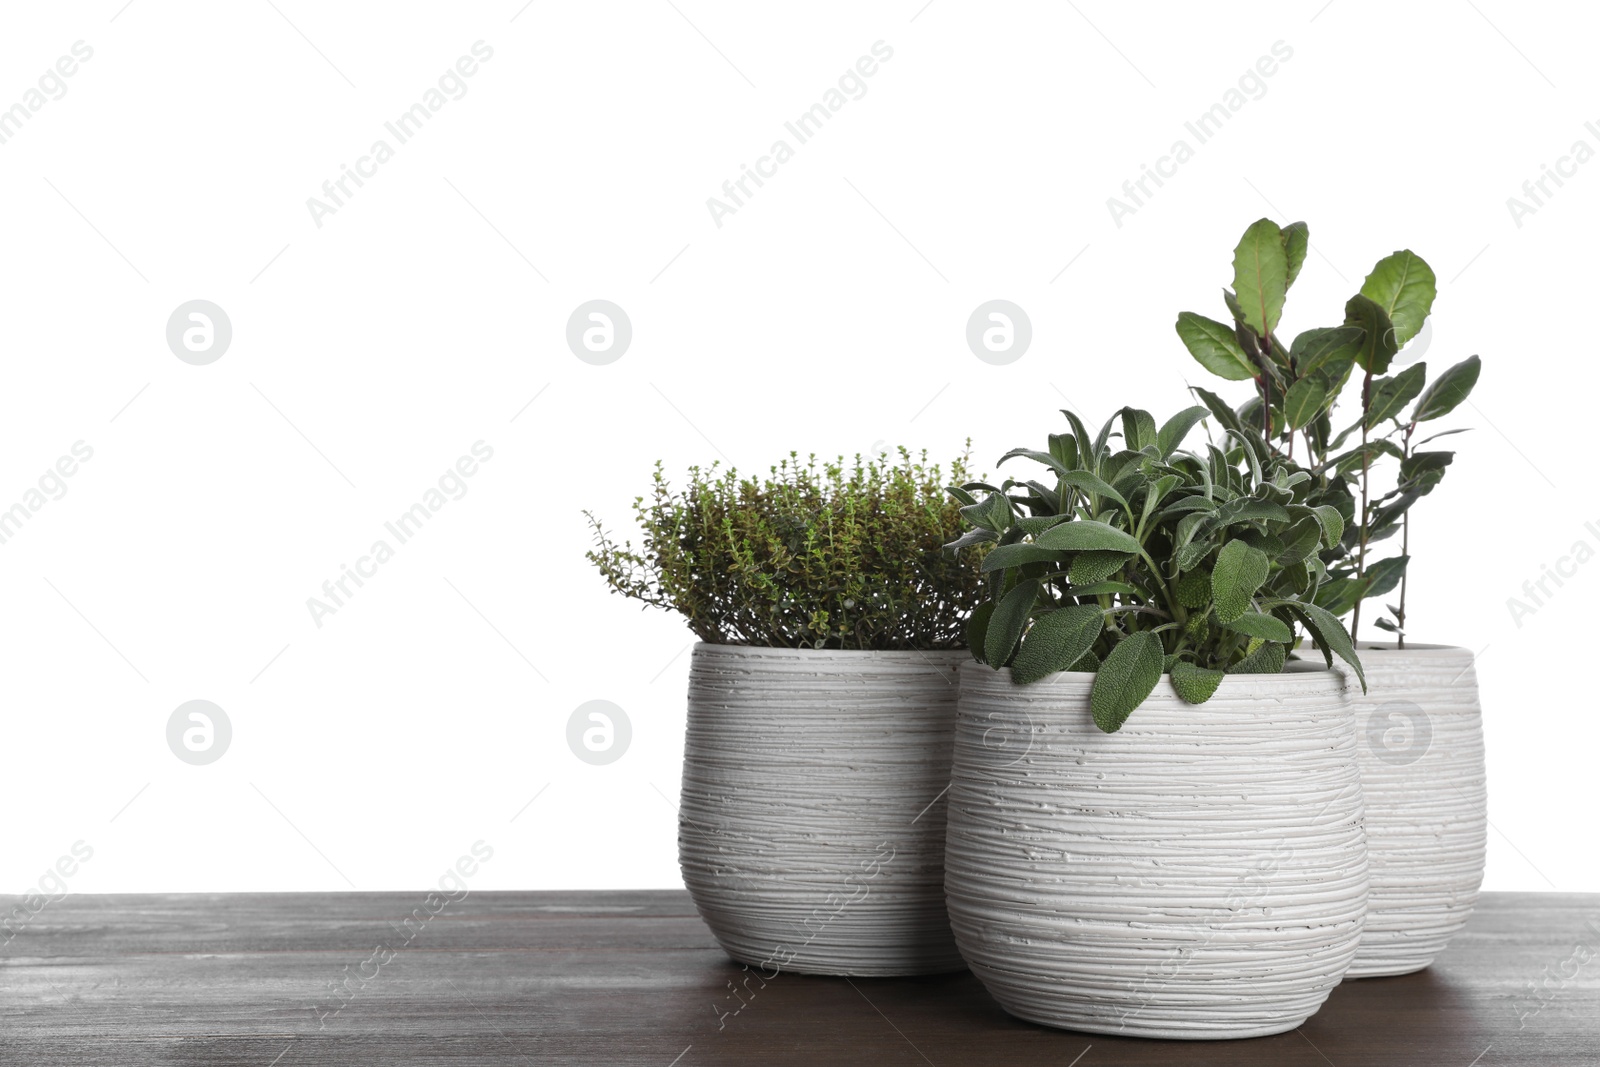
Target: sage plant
1135	557
1298	391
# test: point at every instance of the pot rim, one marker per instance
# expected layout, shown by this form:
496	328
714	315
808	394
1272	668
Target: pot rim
1390	646
1313	676
718	648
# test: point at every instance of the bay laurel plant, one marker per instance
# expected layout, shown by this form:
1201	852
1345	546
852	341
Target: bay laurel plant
833	555
1301	402
1134	557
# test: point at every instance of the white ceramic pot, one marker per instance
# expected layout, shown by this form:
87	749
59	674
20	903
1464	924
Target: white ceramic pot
1420	741
1199	874
812	821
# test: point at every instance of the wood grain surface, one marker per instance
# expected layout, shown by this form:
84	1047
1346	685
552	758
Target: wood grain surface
635	978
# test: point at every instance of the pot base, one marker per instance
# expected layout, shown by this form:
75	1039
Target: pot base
1187	1032
1380	970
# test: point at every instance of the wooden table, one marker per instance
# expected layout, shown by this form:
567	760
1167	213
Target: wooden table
283	980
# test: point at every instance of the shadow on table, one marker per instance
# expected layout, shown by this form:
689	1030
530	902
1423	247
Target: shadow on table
951	1019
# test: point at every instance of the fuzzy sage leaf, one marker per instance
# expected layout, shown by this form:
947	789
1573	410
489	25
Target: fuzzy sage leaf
1239	571
1057	640
1007	622
1126	677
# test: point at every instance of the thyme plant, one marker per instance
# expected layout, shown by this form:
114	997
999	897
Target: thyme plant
1137	558
1298	394
833	555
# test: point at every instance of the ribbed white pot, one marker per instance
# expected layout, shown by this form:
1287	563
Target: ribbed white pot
1420	740
812	820
1199	874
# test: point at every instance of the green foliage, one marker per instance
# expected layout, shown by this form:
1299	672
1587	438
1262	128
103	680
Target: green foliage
1215	346
1137	557
1193	683
1377	346
1062	636
1299	392
1261	276
1126	677
1404	286
842	556
1239	571
1448	390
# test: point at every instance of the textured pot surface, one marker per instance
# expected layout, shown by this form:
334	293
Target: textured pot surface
1420	742
1199	874
812	822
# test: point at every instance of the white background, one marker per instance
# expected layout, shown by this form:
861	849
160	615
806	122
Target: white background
826	315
